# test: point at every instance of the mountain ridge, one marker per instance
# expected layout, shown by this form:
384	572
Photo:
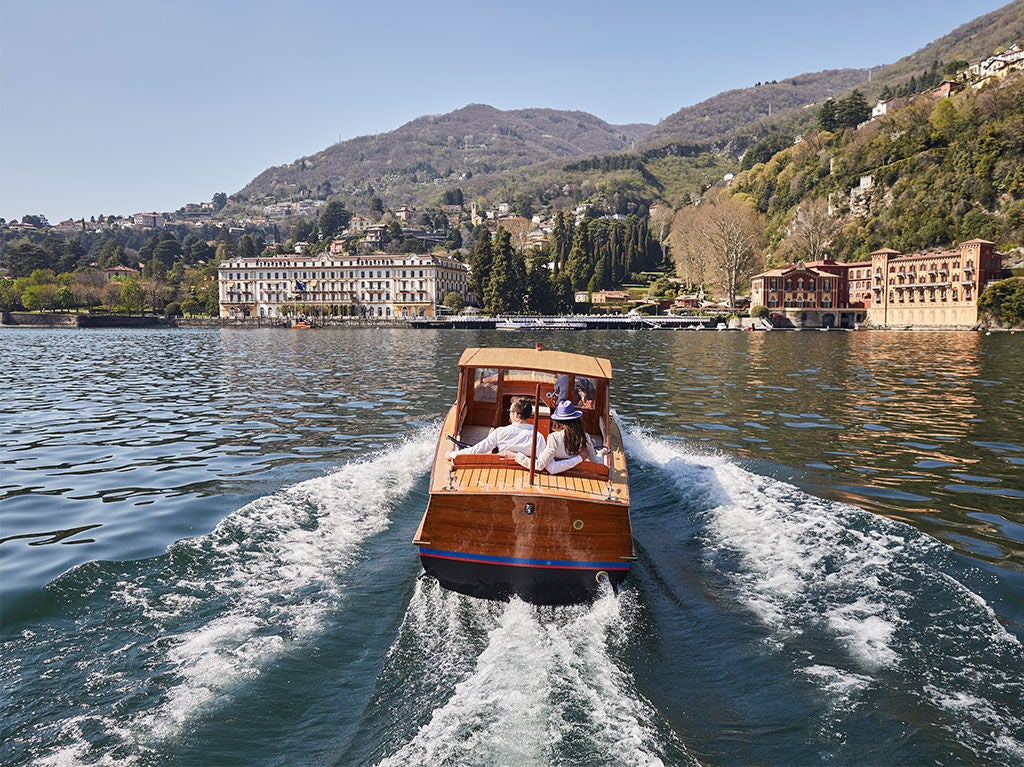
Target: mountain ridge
528	152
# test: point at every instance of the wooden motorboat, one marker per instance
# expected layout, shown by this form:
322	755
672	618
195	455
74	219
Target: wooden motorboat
494	529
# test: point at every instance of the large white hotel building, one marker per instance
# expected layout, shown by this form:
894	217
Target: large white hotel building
376	285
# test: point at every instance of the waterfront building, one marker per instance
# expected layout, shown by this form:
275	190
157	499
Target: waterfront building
930	290
815	294
374	285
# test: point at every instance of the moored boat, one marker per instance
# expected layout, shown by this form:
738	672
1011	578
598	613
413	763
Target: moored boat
495	529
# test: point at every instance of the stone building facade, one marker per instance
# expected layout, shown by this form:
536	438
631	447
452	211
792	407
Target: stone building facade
377	285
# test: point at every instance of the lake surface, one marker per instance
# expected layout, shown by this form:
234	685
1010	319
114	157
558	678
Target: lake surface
206	558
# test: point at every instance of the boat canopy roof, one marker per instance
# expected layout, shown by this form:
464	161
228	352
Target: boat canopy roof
533	359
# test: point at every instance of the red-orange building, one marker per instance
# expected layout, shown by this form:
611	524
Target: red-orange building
890	290
815	294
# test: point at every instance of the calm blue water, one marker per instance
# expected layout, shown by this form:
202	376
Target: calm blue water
205	556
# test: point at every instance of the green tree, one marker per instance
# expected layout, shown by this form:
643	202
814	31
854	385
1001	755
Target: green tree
561	240
540	296
852	110
334	219
65	298
191	306
40	297
480	263
132	298
579	264
454	303
220	199
827	115
1003	302
765	149
10	294
454	241
24	257
506	289
246	247
111	254
167	250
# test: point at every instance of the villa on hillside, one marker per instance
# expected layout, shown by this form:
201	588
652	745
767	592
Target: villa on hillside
931	290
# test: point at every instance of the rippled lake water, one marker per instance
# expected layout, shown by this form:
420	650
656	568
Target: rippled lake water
205	555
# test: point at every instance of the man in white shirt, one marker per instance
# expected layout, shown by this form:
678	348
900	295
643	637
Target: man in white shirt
517	437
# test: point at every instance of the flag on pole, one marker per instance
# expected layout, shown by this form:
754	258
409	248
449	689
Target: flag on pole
300	287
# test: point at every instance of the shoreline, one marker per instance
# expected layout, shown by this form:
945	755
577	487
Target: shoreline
74	321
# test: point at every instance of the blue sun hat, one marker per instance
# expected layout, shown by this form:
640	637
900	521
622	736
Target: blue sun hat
566	411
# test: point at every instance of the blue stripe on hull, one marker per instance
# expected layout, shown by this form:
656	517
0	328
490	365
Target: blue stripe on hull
557	564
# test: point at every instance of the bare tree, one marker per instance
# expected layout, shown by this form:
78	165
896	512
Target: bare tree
812	231
688	248
519	228
719	241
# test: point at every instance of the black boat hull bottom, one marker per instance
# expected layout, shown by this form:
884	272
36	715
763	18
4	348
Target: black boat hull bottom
539	585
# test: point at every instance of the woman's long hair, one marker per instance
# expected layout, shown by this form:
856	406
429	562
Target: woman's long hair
575	436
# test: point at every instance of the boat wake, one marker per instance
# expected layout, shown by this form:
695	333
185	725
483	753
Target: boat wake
511	683
868	609
206	618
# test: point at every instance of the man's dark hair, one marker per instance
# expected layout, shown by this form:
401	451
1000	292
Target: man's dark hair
523	407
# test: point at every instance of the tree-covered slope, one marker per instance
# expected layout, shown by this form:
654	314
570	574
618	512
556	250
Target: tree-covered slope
937	172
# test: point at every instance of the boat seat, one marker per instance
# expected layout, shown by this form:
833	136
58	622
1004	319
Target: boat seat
477	460
473	434
587	469
493	460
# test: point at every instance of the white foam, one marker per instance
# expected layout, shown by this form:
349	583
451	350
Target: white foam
544	681
270	574
800	558
801	565
281	557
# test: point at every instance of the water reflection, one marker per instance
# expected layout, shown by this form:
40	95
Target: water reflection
898	423
54	536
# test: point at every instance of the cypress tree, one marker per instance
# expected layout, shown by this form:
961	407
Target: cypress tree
480	263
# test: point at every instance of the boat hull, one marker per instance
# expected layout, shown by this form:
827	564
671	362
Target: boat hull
543	548
541	582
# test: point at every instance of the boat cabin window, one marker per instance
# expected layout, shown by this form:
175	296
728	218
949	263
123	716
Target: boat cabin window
485	385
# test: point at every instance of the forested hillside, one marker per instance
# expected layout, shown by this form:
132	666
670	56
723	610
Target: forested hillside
935	172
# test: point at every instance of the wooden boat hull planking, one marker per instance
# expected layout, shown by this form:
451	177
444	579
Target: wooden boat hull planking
546	550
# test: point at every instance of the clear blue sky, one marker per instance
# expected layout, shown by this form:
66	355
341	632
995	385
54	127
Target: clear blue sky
112	106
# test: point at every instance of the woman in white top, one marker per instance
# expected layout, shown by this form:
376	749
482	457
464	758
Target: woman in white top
567	445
